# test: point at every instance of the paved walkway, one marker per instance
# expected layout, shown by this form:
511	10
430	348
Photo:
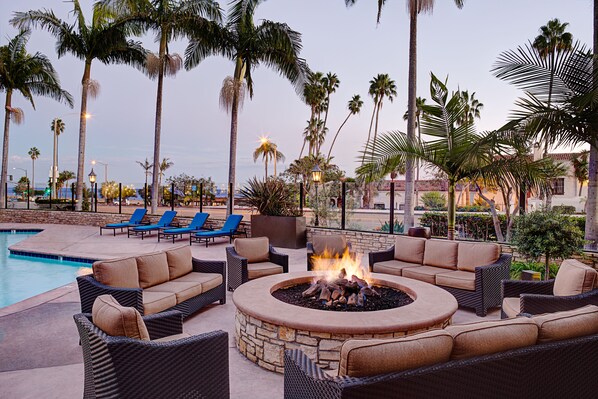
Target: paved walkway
39	352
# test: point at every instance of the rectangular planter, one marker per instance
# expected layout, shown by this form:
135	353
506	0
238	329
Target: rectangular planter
282	231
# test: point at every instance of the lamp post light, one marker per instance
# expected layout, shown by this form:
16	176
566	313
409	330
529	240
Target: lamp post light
105	169
92	181
316	176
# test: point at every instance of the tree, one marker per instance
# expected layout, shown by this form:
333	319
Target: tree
273	44
170	20
30	75
105	39
64	177
268	151
414	7
147	166
330	82
354	105
434	200
314	95
163	167
580	169
22	186
34	154
419	103
109	190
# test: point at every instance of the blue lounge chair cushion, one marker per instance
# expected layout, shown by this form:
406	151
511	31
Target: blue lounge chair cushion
164	221
230	227
196	224
135	219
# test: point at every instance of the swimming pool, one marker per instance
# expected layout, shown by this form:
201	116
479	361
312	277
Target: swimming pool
22	277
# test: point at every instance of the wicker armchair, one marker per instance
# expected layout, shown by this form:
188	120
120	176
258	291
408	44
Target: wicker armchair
121	367
336	244
238	266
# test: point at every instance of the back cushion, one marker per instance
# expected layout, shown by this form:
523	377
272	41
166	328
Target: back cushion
487	337
441	253
574	278
410	249
117	273
334	245
568	324
153	269
254	249
474	254
116	320
377	356
179	261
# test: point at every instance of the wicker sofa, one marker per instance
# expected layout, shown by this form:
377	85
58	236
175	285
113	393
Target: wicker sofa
546	356
156	282
471	271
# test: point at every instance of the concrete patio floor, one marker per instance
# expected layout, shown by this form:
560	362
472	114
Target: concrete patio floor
39	352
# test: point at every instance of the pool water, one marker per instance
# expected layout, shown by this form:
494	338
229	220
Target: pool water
22	277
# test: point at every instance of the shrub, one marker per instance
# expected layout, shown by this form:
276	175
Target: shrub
398	227
473	208
468	225
272	197
565	209
518	266
433	200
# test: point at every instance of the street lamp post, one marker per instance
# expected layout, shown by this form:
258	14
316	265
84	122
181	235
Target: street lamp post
316	176
105	169
54	171
92	181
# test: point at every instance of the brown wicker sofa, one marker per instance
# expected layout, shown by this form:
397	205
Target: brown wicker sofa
471	271
545	356
156	282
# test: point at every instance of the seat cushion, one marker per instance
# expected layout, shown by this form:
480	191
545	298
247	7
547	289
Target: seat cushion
254	249
410	249
568	324
181	290
179	261
457	279
117	273
423	273
116	320
257	270
393	267
208	281
511	306
574	278
441	253
487	337
360	357
331	245
153	269
172	337
156	302
473	254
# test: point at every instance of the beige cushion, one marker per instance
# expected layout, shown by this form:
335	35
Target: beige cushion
208	281
181	290
254	249
568	324
487	337
474	254
424	273
153	269
574	278
441	253
172	337
457	279
410	249
378	356
332	245
256	270
511	306
393	267
116	320
179	261
156	302
117	272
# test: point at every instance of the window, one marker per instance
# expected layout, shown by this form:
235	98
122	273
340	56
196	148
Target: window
558	186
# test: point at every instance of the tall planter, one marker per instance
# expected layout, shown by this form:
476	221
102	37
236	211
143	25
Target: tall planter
282	231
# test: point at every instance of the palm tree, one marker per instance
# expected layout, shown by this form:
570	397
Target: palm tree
64	177
354	105
419	104
268	151
271	43
314	95
330	82
105	39
147	166
580	169
383	86
170	20
473	107
34	154
29	75
164	165
57	127
414	7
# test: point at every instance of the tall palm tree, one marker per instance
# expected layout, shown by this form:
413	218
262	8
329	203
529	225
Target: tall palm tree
147	166
273	44
330	82
104	39
419	104
314	95
56	127
31	75
163	167
354	105
64	177
414	7
170	20
383	86
34	154
473	107
580	169
268	151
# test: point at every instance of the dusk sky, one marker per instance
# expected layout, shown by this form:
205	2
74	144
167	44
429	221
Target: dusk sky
462	44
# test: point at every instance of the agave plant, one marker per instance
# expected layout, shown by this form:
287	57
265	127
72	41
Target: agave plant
271	197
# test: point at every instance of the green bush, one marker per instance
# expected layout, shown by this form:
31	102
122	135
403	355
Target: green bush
433	200
398	227
469	225
565	209
473	208
518	266
272	197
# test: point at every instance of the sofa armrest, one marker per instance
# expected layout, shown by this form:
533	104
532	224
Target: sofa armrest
164	324
237	268
381	256
90	289
303	378
514	288
209	266
537	304
279	259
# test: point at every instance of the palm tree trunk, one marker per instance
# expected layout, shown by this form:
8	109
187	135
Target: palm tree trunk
336	135
451	210
232	163
82	135
32	188
580	188
158	126
417	162
7	111
266	167
591	233
275	161
411	99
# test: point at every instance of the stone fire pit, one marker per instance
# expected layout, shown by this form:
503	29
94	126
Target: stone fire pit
265	326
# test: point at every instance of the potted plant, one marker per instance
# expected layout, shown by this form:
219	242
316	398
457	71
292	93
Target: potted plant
279	216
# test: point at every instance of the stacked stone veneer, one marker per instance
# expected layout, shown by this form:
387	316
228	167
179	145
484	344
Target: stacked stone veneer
264	343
